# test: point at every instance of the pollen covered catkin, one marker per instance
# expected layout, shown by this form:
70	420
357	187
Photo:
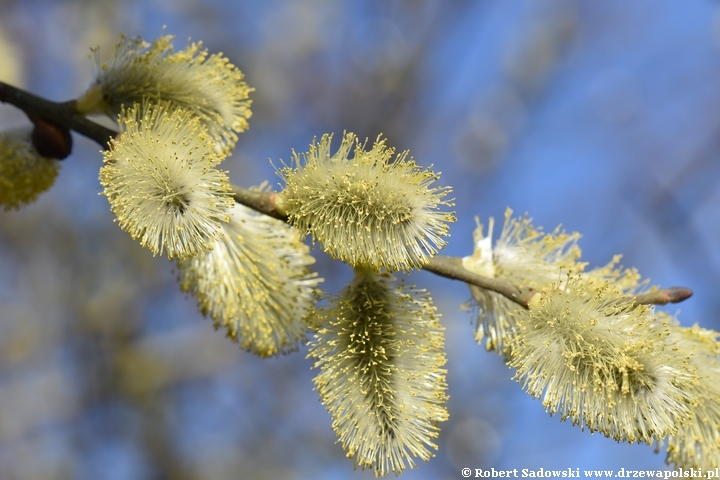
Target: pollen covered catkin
367	210
255	281
523	255
24	174
208	86
603	362
697	442
161	181
379	348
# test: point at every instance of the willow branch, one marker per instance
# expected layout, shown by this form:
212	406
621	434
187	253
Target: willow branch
444	266
451	267
65	114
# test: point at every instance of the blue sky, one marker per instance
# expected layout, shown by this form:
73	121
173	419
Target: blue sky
600	116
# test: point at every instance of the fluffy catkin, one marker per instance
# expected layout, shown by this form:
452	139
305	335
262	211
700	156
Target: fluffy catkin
24	174
524	256
161	181
379	348
208	86
367	210
697	442
602	362
255	281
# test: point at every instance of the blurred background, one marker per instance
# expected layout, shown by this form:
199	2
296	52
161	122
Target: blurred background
600	116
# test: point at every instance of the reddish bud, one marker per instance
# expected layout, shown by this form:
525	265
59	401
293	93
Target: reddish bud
51	140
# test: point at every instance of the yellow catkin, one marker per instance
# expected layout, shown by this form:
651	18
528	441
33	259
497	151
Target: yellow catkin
523	255
602	362
208	86
161	181
697	442
367	210
24	174
379	348
255	282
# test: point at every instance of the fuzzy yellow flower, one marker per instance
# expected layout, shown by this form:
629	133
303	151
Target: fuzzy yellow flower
697	442
24	174
255	281
523	256
209	86
627	280
602	362
380	354
368	210
161	181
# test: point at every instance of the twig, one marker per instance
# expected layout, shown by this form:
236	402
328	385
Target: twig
64	114
664	296
60	113
451	267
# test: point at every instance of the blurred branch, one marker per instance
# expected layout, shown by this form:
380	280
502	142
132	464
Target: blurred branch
64	114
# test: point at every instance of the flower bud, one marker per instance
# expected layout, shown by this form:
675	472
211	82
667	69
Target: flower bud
51	140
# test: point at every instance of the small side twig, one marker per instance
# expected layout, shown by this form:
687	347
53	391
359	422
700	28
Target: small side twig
664	296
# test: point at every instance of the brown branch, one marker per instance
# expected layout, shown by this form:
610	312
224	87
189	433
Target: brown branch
444	266
64	114
451	267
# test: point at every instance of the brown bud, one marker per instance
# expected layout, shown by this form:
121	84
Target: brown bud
51	140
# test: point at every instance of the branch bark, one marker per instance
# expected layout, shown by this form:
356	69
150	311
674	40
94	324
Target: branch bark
65	114
451	267
62	113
